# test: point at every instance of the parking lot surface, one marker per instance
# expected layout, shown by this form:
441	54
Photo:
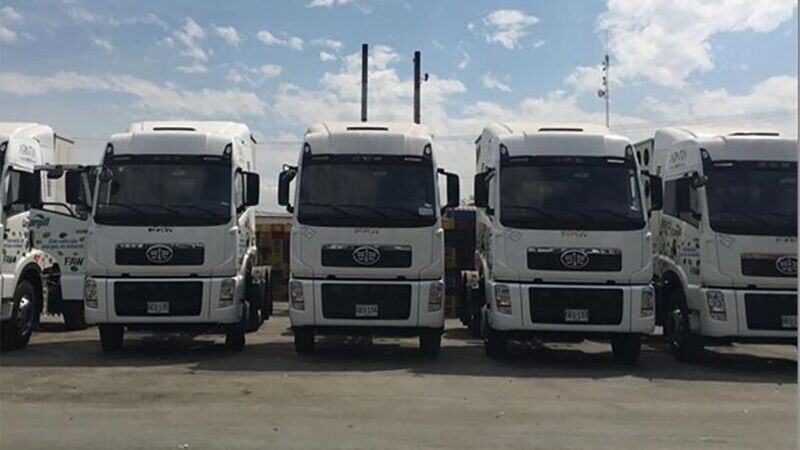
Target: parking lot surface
63	392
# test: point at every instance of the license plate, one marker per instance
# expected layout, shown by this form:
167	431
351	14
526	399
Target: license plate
157	307
366	310
789	321
576	315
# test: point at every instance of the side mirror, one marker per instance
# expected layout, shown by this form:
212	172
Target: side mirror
698	180
27	192
481	189
74	188
251	188
453	189
284	181
656	193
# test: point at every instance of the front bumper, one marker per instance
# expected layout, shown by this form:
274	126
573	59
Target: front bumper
611	309
332	304
191	301
750	315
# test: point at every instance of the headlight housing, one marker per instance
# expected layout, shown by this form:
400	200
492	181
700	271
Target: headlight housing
227	292
90	293
296	299
648	305
502	298
715	300
436	296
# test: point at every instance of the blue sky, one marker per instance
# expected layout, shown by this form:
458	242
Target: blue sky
89	68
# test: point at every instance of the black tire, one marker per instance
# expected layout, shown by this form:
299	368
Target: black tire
303	340
15	333
74	318
685	345
111	337
255	301
430	343
235	336
495	343
254	319
627	348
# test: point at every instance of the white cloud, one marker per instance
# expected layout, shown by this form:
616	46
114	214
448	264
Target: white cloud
7	35
194	69
326	57
327	3
588	79
539	43
665	41
81	14
103	44
229	35
9	14
507	26
189	35
150	97
331	44
254	76
292	42
489	81
464	61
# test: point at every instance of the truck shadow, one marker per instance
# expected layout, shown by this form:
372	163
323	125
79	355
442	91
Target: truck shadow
462	356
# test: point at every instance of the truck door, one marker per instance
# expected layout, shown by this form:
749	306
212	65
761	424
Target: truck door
59	231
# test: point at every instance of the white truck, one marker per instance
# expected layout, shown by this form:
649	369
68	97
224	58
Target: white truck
171	234
726	240
30	275
367	244
562	244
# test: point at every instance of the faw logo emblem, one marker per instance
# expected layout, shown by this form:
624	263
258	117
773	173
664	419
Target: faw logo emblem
159	254
574	259
787	265
366	255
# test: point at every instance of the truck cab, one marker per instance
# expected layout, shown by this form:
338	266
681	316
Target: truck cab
367	244
171	241
726	240
563	249
30	270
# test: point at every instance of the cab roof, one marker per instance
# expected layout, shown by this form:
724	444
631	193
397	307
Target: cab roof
556	139
386	138
733	144
180	137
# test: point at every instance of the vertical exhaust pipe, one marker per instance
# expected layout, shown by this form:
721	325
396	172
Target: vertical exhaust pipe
417	82
364	62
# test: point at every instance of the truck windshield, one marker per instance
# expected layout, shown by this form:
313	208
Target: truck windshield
584	193
367	191
165	190
753	198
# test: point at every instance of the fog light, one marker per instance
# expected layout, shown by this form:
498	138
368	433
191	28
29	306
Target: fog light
648	305
296	296
716	305
227	291
502	298
90	293
436	296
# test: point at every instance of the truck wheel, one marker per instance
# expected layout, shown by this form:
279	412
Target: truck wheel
74	318
234	336
254	319
495	343
16	332
430	342
626	348
303	340
111	337
685	345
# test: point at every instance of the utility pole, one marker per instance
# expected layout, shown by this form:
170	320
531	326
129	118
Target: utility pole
364	72
604	91
417	83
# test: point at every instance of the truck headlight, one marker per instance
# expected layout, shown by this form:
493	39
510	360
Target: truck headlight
296	296
648	305
716	305
90	293
227	292
502	298
435	296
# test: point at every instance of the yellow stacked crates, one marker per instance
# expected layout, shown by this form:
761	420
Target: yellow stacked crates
273	251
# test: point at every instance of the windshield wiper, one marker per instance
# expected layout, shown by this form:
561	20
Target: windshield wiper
535	209
326	205
612	213
748	214
165	208
365	207
406	209
202	209
126	206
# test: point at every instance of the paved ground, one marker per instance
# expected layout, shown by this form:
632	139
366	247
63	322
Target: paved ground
62	392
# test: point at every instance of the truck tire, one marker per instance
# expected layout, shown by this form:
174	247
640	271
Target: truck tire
111	337
303	340
255	300
430	342
16	332
254	319
627	348
495	343
235	336
74	318
685	345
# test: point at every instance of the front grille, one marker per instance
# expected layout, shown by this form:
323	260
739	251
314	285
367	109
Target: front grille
575	259
184	298
382	256
756	265
156	254
393	301
766	311
549	305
